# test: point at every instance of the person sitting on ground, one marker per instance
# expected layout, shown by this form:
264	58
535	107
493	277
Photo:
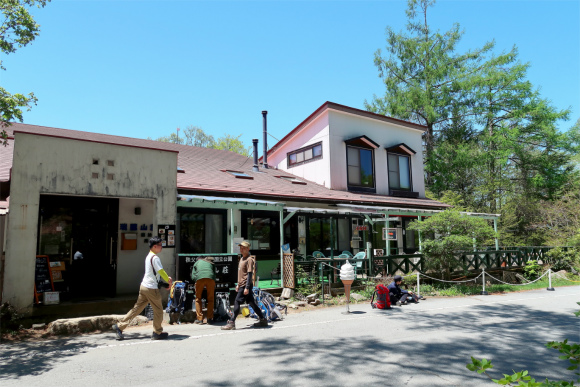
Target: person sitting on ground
400	296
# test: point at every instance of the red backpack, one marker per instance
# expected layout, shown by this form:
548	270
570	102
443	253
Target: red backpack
383	299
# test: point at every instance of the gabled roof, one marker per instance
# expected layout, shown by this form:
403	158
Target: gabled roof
204	173
345	109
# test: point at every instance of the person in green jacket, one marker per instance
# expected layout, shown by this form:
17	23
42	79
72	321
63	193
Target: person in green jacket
203	274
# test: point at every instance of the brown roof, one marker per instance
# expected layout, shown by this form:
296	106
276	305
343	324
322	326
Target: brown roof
204	173
346	109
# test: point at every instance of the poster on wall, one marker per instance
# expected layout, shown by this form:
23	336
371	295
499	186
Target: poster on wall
167	234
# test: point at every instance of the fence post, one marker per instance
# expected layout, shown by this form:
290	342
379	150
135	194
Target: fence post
483	292
550	288
418	292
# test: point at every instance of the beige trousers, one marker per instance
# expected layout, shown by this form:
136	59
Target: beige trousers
146	296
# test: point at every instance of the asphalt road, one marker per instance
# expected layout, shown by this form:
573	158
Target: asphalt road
427	344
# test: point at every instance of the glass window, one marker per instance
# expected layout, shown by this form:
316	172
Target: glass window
399	172
262	230
306	154
360	167
319	236
317	151
259	233
202	233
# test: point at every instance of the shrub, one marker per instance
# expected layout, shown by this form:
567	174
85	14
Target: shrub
532	270
563	259
9	318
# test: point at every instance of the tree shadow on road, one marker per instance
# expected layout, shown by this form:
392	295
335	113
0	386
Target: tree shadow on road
438	346
36	358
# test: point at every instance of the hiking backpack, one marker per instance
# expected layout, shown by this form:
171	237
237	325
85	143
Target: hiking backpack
383	299
176	302
267	304
222	308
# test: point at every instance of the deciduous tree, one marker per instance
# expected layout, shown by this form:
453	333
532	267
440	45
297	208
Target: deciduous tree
17	30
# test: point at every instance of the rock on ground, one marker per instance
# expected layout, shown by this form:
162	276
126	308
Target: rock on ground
88	324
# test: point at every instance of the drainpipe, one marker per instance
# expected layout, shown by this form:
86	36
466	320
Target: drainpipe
264	114
255	143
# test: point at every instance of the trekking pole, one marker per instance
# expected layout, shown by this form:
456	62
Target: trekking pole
483	292
550	288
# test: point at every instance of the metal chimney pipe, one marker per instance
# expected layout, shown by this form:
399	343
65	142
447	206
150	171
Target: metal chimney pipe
255	143
264	114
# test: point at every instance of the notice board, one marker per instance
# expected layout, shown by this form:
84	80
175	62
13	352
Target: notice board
42	277
226	271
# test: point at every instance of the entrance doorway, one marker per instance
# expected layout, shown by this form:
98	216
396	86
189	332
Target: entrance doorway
71	224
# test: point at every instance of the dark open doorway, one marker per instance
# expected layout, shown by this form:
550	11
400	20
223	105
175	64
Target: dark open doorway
68	224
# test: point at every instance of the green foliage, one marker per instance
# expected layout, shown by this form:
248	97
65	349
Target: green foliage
563	259
17	30
195	136
305	283
9	318
571	352
532	270
233	144
448	232
492	144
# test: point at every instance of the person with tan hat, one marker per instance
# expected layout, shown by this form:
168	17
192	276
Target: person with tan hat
246	275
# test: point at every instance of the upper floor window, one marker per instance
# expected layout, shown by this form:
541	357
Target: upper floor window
304	155
399	172
360	168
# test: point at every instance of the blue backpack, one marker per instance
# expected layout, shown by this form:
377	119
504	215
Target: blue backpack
267	304
176	302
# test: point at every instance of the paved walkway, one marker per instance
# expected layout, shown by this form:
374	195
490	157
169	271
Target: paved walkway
427	344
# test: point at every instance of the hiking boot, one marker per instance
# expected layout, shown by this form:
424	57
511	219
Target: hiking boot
198	321
261	323
118	332
230	326
160	336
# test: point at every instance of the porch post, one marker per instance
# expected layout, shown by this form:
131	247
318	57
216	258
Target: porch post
495	229
388	241
420	218
281	243
231	238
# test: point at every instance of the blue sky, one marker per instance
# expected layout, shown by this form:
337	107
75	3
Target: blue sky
143	68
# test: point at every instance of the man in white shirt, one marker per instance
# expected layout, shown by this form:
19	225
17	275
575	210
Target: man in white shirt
148	293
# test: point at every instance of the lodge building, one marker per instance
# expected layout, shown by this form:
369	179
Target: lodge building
334	183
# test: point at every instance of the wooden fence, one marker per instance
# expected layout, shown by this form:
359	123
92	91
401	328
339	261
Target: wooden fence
510	257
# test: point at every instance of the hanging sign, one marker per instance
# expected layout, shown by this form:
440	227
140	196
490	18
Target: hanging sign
390	234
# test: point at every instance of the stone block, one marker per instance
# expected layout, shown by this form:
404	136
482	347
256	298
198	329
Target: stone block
287	293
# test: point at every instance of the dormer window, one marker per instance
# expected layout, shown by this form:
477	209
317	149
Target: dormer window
399	166
399	172
360	162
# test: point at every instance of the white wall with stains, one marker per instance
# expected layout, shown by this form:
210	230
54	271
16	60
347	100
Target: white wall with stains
50	165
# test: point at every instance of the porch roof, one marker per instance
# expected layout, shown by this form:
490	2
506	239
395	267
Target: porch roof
413	212
189	200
